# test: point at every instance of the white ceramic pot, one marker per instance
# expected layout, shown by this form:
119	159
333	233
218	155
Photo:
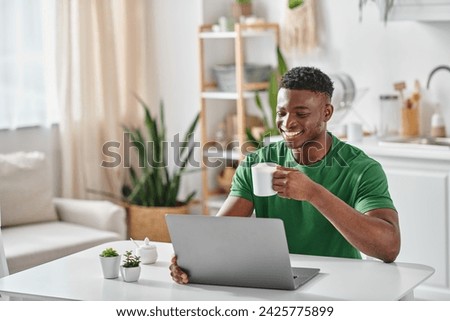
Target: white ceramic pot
110	266
130	274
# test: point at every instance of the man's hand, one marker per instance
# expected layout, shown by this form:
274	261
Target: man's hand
177	274
291	183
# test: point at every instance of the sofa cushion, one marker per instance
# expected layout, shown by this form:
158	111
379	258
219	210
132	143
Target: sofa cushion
30	245
25	189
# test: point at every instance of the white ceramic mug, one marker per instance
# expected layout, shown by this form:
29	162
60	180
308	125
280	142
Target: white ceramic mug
262	178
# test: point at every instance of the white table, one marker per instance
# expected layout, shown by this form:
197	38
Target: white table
79	277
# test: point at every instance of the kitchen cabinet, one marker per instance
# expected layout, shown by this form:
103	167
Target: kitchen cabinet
212	98
420	10
419	183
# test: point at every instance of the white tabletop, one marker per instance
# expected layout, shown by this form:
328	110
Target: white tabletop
79	277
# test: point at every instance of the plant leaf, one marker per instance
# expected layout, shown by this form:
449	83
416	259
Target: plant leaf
295	3
260	107
273	93
153	185
252	139
282	66
189	197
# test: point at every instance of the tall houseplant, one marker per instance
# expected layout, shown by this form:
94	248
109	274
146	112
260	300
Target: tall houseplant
153	189
269	123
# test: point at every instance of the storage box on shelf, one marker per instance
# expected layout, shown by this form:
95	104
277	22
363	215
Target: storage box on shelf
248	77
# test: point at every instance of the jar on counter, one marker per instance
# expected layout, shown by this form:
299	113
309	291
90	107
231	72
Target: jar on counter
390	110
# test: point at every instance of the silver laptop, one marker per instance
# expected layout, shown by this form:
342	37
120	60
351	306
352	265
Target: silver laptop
235	251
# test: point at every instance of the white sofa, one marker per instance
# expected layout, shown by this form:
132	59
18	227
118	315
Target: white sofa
38	228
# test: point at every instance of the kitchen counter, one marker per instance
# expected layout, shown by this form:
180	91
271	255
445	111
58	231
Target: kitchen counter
372	146
419	183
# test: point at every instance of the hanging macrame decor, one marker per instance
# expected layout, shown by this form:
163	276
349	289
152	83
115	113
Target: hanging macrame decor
299	31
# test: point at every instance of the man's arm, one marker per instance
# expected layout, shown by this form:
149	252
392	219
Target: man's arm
376	233
236	206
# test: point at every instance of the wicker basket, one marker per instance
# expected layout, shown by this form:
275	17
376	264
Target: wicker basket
225	75
151	222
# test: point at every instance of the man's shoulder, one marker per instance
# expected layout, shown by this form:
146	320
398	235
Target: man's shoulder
351	154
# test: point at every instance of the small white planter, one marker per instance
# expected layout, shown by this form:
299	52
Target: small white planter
130	274
110	266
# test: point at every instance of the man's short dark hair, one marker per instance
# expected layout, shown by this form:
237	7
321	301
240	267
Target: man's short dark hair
307	78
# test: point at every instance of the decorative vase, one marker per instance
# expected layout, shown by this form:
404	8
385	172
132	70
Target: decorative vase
110	266
151	221
130	274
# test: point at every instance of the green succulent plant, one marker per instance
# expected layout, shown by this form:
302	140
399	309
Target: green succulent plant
152	184
130	260
109	252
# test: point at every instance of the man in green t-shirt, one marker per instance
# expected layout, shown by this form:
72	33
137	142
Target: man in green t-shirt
332	198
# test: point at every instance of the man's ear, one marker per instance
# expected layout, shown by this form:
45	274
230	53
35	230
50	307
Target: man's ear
328	112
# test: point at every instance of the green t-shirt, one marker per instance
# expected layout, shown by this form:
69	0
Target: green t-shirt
345	171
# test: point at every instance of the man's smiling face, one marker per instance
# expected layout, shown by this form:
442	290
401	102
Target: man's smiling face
302	116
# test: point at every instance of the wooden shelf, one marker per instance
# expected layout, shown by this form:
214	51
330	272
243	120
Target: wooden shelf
246	31
244	91
226	95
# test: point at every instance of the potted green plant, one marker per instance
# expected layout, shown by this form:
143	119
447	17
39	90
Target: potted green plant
131	268
152	190
269	123
241	8
110	261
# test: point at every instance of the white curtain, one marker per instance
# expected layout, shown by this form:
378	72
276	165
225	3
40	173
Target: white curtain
101	61
25	89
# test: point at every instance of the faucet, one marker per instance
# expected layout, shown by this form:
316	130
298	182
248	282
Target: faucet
434	71
437	122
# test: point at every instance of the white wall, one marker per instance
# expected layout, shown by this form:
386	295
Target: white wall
377	55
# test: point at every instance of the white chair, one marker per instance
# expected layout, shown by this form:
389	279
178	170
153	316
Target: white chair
37	227
3	265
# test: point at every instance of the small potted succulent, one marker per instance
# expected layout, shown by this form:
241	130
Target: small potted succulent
110	261
130	269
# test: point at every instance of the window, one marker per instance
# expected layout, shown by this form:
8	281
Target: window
23	80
